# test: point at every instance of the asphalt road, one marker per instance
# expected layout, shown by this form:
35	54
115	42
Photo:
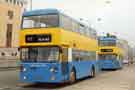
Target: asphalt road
108	80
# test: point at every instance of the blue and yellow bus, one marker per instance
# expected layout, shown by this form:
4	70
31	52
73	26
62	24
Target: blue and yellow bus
56	48
110	55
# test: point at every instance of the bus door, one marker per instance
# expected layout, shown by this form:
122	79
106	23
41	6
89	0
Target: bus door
64	61
120	59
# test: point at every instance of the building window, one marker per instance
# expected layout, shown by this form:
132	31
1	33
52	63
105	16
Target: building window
10	14
9	35
14	1
10	1
21	4
18	3
6	0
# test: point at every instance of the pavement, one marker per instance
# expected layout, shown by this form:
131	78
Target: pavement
123	79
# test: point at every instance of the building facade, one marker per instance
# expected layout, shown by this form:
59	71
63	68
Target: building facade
128	50
134	53
10	22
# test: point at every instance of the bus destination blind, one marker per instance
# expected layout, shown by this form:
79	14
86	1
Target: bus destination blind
38	38
106	50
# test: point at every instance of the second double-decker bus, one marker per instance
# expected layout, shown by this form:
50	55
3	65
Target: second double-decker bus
55	48
110	55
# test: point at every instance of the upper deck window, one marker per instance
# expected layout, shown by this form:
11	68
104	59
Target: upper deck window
42	21
73	25
107	42
53	18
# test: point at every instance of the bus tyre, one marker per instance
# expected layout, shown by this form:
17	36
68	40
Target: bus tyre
72	77
92	73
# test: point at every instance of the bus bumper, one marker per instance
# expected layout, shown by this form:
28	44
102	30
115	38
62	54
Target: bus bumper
110	64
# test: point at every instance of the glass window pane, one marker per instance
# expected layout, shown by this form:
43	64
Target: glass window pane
108	57
24	53
40	54
66	22
83	55
75	26
107	43
40	21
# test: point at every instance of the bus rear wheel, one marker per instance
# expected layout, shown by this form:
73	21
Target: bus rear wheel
72	77
92	73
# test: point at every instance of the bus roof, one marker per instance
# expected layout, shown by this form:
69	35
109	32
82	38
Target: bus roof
41	12
49	11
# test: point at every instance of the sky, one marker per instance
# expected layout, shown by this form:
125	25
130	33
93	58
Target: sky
114	16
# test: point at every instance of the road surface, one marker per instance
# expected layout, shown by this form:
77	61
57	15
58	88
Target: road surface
108	80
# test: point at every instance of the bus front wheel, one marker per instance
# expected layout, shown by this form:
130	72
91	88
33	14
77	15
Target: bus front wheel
72	77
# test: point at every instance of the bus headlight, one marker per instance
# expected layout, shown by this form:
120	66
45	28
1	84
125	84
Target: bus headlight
53	69
24	78
24	69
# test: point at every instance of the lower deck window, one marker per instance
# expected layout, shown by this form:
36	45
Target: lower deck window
83	55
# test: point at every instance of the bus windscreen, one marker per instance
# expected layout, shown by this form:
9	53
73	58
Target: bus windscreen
42	21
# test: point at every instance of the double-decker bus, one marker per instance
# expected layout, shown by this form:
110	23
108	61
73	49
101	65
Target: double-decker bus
110	55
56	48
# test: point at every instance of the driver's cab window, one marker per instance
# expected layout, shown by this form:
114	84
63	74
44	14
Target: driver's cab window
120	57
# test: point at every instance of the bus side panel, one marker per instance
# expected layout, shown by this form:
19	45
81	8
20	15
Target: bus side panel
41	73
83	68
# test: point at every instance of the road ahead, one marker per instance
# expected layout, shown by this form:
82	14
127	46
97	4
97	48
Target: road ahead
108	80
